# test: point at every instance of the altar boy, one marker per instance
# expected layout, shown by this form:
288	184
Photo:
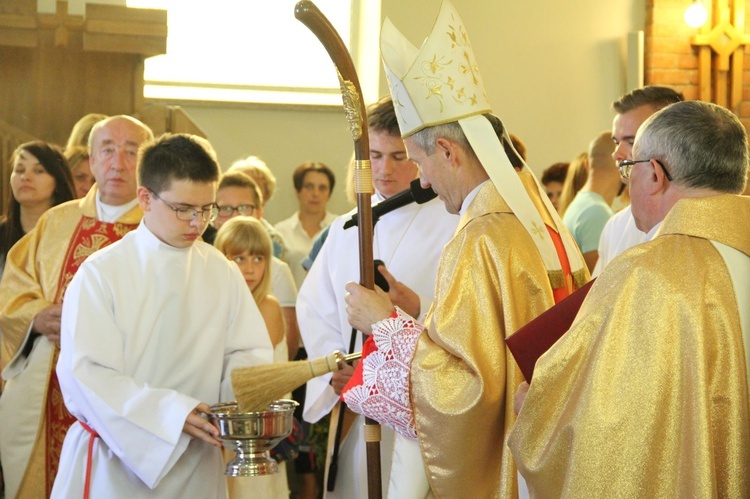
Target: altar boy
151	328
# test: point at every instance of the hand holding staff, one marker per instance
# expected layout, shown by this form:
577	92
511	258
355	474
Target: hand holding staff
351	93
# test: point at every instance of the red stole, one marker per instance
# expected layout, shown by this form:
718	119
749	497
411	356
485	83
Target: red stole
89	236
560	293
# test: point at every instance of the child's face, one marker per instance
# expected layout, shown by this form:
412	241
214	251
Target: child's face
193	199
252	267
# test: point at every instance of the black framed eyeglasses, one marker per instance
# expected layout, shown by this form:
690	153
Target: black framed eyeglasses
243	209
626	167
187	214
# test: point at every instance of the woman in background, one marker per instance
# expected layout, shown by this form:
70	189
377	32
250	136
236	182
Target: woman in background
79	135
80	168
313	185
553	179
40	179
578	172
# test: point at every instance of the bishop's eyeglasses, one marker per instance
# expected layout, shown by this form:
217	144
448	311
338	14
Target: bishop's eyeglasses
243	209
626	167
189	213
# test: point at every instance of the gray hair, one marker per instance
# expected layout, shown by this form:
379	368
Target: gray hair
701	144
426	137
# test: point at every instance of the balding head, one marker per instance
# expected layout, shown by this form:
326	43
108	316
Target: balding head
114	144
600	152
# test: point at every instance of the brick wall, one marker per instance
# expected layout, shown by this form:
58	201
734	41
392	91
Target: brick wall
671	60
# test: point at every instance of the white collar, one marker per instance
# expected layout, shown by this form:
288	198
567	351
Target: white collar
110	214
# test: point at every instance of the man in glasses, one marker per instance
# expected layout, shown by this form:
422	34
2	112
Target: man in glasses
647	393
620	232
152	326
36	275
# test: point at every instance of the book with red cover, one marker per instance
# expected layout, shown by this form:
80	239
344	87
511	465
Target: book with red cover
531	341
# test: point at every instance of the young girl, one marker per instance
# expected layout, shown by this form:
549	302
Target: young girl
245	241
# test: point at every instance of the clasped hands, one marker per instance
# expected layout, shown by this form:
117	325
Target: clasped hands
47	322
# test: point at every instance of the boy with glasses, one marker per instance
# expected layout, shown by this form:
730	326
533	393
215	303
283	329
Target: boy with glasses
151	328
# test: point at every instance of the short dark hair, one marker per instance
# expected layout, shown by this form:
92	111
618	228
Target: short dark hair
53	161
652	95
519	146
298	177
381	117
176	157
555	173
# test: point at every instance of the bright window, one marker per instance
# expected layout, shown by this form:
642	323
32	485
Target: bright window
244	51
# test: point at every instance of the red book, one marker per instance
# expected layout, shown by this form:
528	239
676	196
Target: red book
531	341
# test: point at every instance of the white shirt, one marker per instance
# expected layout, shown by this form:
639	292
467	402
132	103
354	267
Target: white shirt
148	332
618	235
109	213
282	283
299	243
410	241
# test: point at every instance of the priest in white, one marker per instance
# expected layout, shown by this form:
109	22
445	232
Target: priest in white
151	328
409	241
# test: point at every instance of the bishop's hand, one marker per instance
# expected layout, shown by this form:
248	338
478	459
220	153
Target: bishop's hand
400	294
365	307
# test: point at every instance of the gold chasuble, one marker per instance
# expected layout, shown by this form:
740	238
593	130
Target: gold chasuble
647	393
38	270
490	282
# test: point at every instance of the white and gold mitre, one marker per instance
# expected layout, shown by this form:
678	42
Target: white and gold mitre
440	83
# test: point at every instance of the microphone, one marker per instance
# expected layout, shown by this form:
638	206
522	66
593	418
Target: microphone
415	193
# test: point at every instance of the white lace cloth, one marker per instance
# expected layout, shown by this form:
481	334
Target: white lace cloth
381	390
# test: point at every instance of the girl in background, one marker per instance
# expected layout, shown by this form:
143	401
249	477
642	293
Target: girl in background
245	241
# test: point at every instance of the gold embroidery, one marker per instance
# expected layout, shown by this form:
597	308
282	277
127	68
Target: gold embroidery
89	246
434	76
87	223
121	229
538	231
350	96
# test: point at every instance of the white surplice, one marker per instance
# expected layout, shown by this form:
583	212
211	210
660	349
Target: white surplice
282	283
148	332
409	241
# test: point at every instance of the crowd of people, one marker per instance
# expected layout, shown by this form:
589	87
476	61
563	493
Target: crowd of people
135	275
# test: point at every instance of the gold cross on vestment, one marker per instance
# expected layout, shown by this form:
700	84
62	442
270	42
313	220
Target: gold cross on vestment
726	40
61	22
537	230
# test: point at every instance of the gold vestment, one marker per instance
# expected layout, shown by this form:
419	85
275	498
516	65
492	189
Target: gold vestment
30	283
491	281
647	394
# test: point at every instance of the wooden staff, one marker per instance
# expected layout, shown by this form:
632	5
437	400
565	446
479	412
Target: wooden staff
354	107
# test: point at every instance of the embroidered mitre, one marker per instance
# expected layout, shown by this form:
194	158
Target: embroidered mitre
440	83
